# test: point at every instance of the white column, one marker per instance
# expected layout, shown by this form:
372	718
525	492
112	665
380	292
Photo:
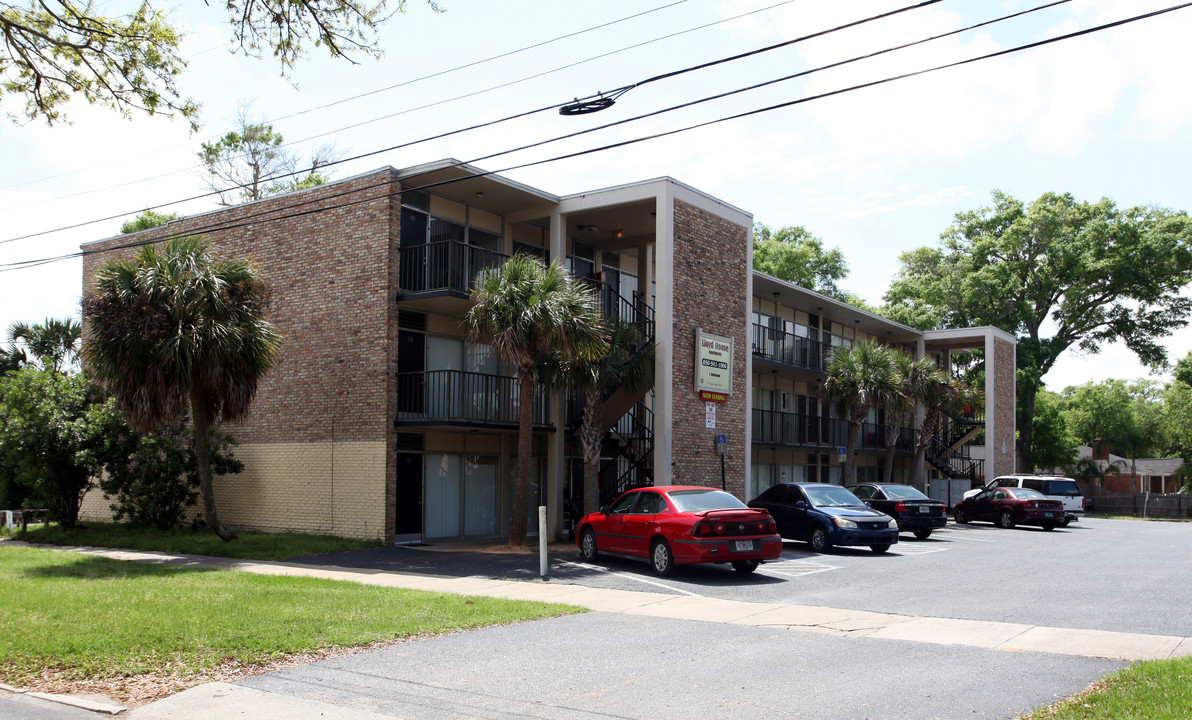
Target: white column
555	459
664	315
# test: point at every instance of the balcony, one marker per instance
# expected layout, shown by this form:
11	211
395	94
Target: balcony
456	397
781	347
772	427
446	267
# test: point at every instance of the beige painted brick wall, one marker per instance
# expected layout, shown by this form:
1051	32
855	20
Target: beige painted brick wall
322	488
317	488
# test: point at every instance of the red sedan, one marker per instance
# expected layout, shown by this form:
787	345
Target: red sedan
1008	507
680	524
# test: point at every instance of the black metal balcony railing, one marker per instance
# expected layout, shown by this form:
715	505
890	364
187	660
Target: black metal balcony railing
772	427
447	265
456	396
773	344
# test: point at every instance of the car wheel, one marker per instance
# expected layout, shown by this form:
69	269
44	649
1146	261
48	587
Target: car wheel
819	540
745	567
961	517
879	549
587	545
1049	526
1006	519
661	558
922	534
1066	522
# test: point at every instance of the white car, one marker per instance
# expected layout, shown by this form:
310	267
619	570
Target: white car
1066	490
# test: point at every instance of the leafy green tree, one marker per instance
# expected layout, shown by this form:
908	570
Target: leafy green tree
1183	370
1124	416
1176	421
176	328
253	161
51	433
1092	272
532	314
153	478
1052	444
626	365
794	254
147	219
53	52
858	377
52	343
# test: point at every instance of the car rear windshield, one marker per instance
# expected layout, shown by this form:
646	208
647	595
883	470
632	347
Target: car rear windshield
903	492
1061	487
1025	493
697	500
831	497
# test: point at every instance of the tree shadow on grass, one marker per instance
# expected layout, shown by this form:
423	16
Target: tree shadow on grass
90	567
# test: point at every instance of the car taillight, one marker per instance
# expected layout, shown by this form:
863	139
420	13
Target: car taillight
704	527
771	526
1082	505
900	506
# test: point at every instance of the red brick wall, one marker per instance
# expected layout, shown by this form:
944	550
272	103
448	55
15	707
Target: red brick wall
333	300
711	276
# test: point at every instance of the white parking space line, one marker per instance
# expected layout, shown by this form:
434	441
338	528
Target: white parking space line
909	549
801	569
627	576
949	537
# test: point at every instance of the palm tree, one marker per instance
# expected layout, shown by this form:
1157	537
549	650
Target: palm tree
912	379
54	343
530	313
178	329
858	377
625	365
1090	470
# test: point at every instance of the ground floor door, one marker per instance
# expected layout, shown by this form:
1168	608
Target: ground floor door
409	497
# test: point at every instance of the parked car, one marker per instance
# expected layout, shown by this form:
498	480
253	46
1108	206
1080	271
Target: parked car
915	512
826	515
678	525
1008	506
1066	490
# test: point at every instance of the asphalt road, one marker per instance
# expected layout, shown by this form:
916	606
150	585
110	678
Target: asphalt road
599	666
1097	574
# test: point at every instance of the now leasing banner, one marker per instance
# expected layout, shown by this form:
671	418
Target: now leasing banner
713	366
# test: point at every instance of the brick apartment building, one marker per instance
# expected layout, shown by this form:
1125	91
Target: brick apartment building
382	421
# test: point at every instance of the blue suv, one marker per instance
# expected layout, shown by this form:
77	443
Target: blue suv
826	515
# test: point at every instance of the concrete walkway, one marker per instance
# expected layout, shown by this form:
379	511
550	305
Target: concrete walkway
224	700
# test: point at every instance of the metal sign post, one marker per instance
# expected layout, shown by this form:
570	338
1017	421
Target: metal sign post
721	447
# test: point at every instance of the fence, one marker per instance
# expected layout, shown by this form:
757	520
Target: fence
1104	502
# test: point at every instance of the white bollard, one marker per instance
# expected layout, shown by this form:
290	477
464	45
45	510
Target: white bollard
542	533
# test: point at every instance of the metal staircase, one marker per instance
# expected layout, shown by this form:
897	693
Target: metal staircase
947	450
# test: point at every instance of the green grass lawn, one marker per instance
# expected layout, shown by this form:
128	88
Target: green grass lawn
79	617
1151	690
251	546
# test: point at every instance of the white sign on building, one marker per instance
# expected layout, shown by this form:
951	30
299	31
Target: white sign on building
713	363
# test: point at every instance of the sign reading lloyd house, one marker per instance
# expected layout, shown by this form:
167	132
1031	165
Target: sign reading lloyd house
713	366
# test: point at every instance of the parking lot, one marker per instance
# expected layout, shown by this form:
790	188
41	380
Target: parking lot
1097	574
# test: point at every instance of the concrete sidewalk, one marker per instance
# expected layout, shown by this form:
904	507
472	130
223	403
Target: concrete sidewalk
223	700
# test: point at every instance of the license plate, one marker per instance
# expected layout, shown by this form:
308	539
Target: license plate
924	509
744	545
1047	514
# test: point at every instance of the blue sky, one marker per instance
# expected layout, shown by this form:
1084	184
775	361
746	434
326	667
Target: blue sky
875	172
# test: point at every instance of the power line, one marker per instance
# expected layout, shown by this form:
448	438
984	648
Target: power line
412	81
230	226
515	116
409	110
